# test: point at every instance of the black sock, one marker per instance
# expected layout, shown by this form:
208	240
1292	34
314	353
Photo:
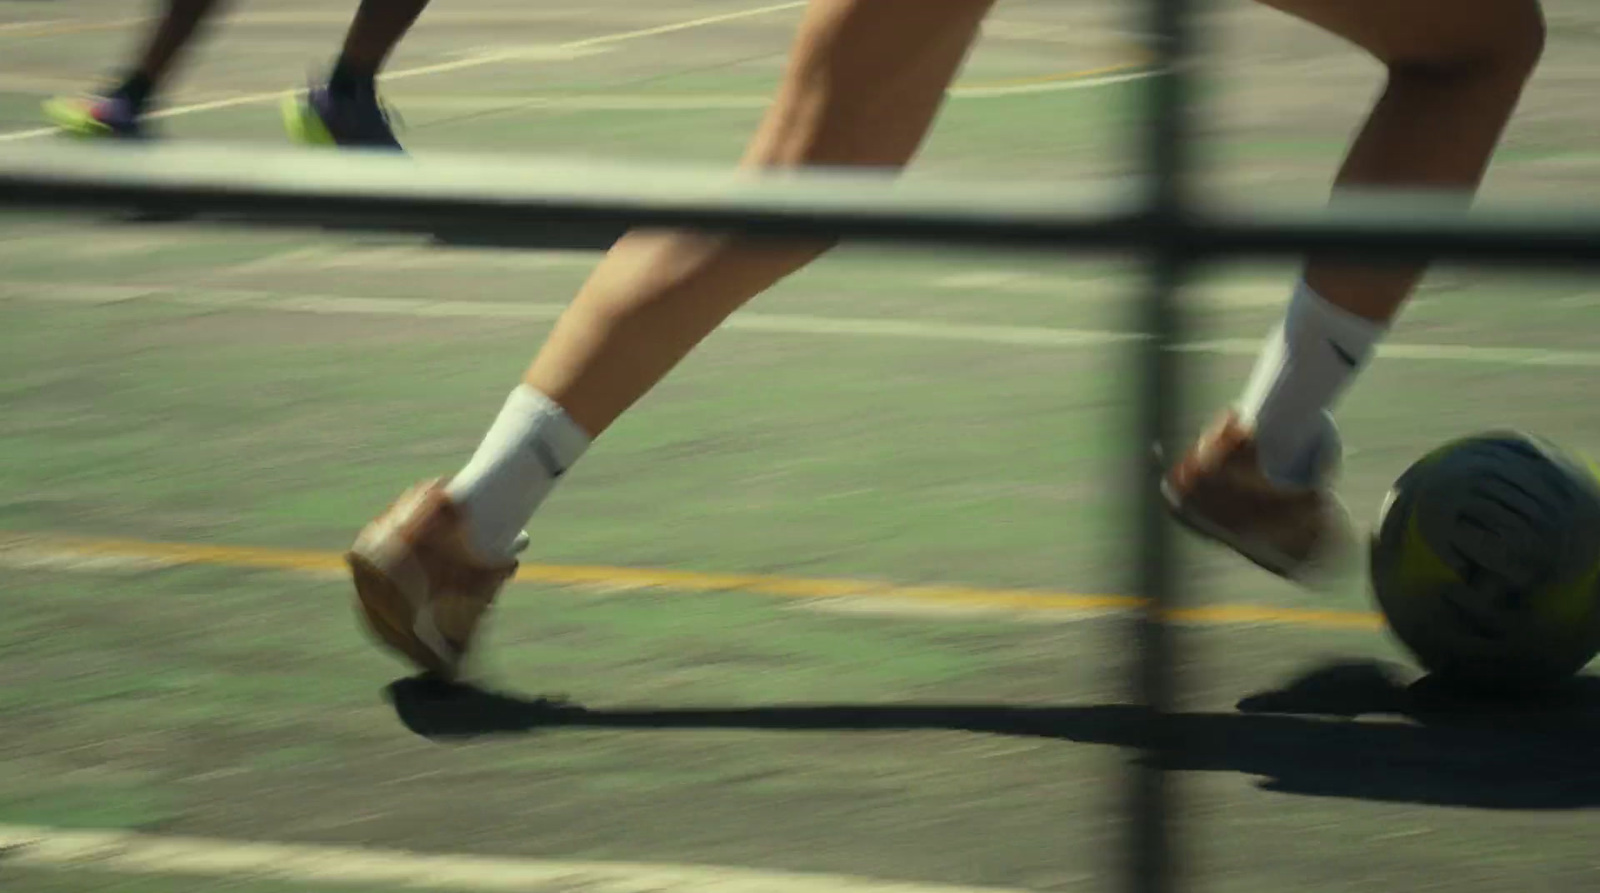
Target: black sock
346	80
136	91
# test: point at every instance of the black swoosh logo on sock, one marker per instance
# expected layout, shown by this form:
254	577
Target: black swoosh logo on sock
1349	358
547	459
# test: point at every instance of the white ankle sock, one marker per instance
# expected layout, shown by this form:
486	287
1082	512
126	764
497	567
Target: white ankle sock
529	447
1303	368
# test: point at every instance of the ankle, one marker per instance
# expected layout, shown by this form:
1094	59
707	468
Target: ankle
136	90
351	79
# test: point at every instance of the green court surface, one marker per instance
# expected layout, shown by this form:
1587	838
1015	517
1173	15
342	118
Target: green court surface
75	882
196	419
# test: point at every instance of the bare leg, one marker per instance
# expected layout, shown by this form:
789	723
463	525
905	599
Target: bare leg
174	32
374	33
120	110
1257	481
863	85
1455	74
344	110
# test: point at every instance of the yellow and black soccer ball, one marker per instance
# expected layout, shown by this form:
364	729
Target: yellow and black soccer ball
1486	562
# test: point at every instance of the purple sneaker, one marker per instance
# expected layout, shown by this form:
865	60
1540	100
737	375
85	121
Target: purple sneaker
320	117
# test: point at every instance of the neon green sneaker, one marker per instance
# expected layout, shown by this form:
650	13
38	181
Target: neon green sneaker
320	117
95	116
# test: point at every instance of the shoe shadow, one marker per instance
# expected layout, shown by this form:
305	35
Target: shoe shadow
1309	737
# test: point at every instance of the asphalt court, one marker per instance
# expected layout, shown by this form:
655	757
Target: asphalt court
803	594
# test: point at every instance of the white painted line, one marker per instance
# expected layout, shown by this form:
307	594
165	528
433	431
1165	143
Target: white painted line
594	103
1023	336
122	852
1586	299
534	52
714	101
19	555
602	40
1446	353
16	135
1020	336
323	257
1047	86
613	103
36	23
458	64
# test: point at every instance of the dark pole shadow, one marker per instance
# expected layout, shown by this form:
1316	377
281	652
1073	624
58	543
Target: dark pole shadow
1347	730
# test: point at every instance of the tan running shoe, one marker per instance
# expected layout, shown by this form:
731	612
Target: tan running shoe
1219	491
419	588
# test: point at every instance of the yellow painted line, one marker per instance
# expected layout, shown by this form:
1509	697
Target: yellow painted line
1243	615
1025	600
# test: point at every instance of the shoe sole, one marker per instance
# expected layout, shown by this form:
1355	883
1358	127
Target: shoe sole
76	123
1270	560
304	127
390	617
1313	573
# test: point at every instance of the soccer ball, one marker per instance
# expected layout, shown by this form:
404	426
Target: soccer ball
1486	562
